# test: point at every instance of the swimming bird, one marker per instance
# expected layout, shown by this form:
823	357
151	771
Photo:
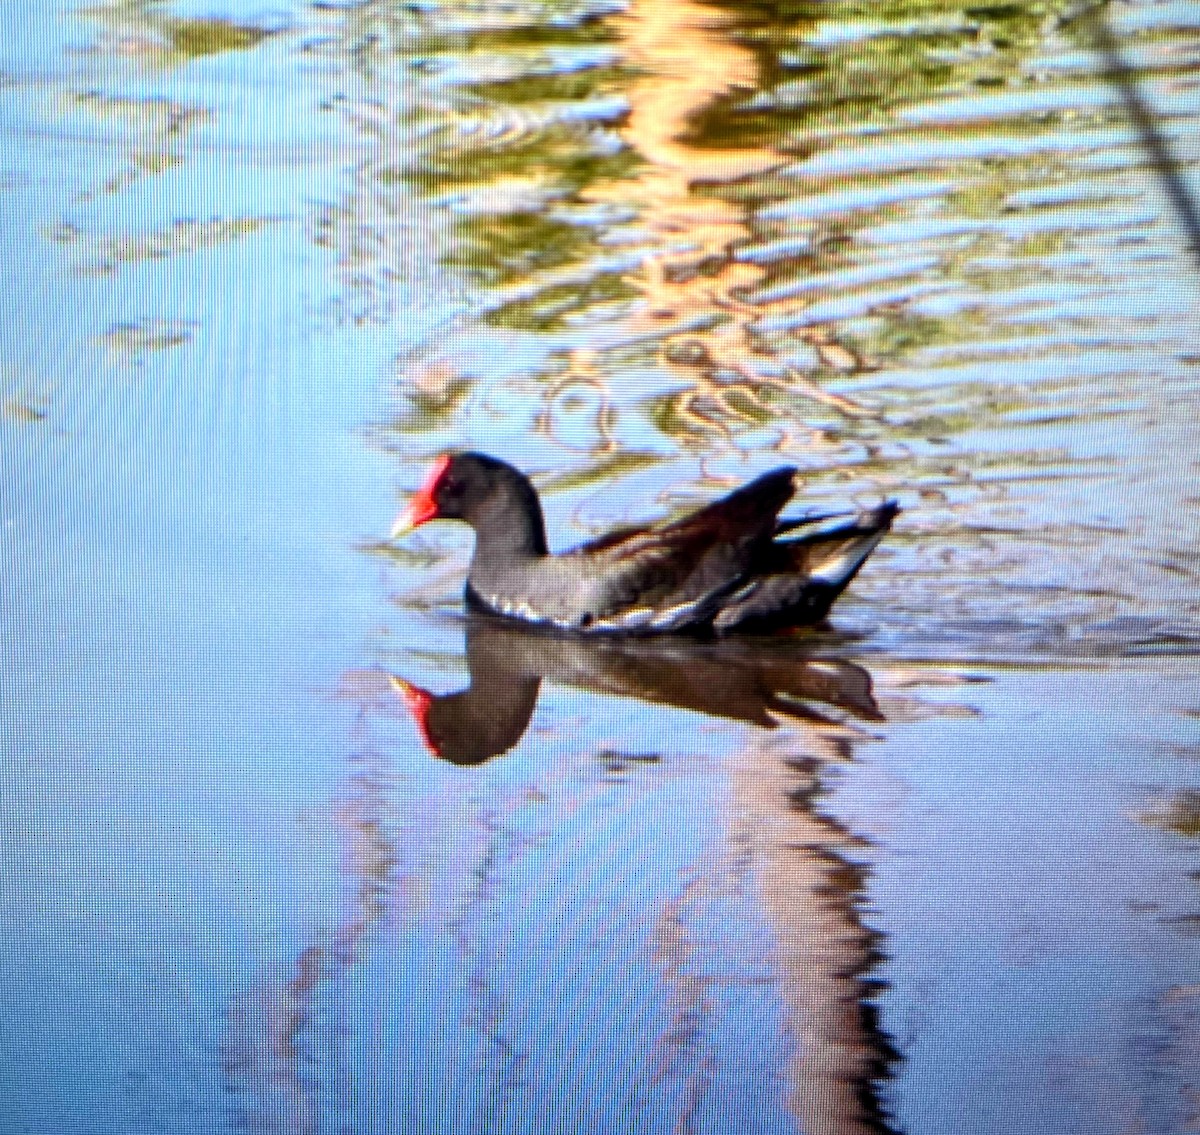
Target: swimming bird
732	565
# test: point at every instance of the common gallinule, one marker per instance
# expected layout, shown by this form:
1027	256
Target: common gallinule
732	565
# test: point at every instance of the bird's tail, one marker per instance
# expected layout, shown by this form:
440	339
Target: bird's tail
808	575
833	558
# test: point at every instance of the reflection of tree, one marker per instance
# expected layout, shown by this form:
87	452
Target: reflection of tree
604	189
623	174
692	283
267	1058
812	893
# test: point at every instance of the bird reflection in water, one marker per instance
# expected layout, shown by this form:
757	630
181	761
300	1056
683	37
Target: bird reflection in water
810	709
759	682
800	866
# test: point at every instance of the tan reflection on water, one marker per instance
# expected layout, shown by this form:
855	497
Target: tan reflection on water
690	272
267	1053
810	893
690	61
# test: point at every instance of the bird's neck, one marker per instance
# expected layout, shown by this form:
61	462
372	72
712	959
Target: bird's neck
509	526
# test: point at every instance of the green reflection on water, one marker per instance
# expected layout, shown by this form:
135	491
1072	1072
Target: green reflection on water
106	254
552	87
148	33
208	37
503	249
552	305
560	154
518	134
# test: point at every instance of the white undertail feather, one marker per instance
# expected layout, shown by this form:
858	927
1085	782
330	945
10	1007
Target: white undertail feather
842	560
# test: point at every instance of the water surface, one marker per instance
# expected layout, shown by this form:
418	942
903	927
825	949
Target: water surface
932	870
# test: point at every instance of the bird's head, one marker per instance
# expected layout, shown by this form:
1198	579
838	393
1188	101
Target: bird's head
487	493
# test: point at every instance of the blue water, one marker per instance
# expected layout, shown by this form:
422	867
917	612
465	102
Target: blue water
254	284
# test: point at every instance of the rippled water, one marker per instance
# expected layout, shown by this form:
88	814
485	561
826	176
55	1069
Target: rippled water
932	870
922	254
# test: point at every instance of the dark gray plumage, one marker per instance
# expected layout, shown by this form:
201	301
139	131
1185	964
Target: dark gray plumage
732	565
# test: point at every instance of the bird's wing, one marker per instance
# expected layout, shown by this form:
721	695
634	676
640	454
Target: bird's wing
673	575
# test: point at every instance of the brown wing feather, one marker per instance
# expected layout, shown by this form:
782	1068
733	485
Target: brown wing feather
750	511
668	576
